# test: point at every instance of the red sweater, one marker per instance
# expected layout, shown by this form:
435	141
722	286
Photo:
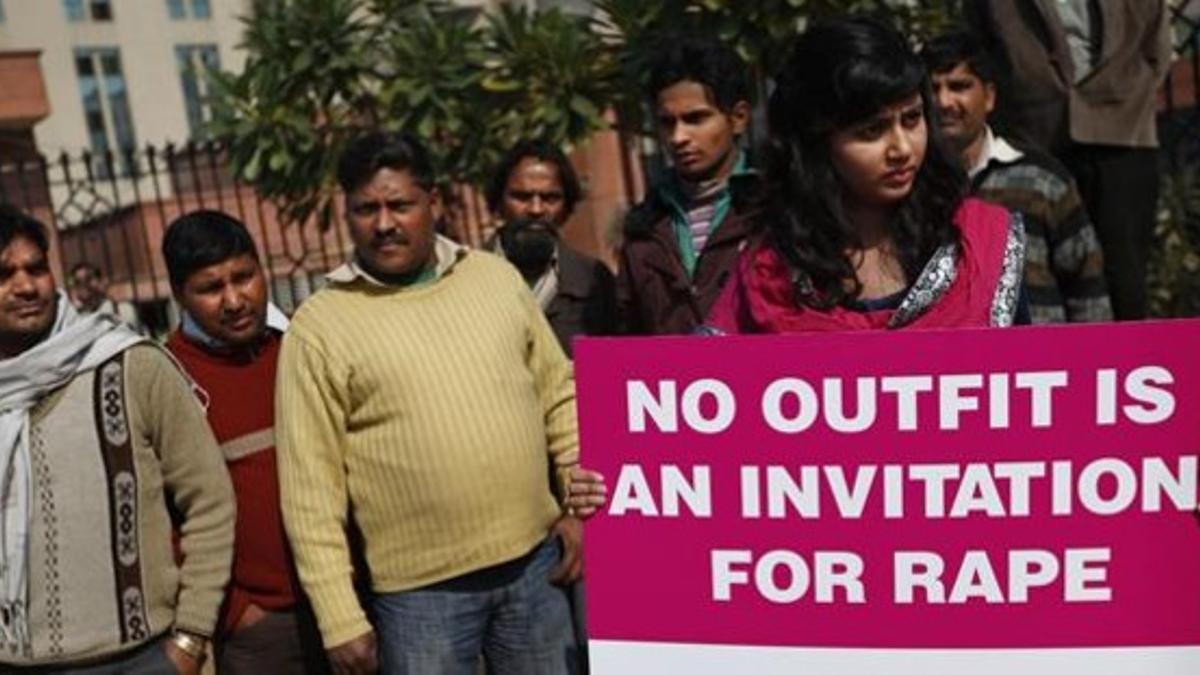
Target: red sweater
241	411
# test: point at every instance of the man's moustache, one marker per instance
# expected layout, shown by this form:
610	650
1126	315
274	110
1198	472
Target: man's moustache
395	238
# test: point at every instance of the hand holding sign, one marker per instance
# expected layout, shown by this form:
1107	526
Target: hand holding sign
586	493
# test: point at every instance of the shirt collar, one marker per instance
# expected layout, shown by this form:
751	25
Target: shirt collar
191	329
446	254
995	149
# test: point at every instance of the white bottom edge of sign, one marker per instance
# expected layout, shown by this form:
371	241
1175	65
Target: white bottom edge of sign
631	658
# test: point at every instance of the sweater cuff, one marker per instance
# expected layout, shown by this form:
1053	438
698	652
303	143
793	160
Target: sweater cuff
340	617
563	476
198	621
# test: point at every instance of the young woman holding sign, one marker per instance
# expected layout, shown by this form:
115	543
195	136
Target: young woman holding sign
870	227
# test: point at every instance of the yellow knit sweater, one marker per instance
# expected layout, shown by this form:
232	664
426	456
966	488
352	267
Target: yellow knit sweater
429	413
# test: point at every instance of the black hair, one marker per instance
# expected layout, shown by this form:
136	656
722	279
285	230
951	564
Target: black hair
543	151
365	155
839	74
945	52
707	62
202	238
16	224
84	265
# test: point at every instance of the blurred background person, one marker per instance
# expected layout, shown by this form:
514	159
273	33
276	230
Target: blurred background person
533	192
88	290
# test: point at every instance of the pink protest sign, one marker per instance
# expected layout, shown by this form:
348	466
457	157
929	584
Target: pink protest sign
896	502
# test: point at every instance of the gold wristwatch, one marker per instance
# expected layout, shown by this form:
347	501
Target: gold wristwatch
193	645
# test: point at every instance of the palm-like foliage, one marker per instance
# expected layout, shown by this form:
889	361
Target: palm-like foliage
467	84
550	75
306	82
430	69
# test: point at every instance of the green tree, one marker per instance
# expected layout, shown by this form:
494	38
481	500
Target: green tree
549	76
468	83
306	83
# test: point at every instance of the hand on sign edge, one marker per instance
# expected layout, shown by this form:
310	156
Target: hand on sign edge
586	493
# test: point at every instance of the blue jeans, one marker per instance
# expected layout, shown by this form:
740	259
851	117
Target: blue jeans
149	659
521	627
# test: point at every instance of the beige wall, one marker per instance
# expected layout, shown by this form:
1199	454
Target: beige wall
146	37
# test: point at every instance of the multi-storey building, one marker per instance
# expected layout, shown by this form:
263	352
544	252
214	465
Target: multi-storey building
123	73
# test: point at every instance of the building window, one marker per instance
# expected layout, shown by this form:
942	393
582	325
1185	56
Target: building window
101	10
194	61
82	10
74	10
182	9
105	107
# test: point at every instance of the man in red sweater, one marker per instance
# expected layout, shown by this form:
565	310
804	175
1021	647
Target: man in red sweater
227	347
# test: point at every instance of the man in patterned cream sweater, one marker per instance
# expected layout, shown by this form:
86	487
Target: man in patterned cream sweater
100	435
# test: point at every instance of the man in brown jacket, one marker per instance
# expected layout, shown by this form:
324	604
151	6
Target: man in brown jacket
681	243
533	192
1083	77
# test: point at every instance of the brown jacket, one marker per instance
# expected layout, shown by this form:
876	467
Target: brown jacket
654	294
584	303
1114	105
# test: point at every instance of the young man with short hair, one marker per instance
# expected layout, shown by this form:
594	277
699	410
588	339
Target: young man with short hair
533	192
1064	267
681	243
225	344
423	393
104	453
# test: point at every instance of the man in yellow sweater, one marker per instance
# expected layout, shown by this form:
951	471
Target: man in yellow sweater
423	392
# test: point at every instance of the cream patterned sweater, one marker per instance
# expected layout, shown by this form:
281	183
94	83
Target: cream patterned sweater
113	454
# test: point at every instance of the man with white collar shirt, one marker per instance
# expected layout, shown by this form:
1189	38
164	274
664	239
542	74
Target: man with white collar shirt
423	392
1064	266
229	344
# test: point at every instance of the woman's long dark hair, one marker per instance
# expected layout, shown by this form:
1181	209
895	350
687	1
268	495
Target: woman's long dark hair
838	74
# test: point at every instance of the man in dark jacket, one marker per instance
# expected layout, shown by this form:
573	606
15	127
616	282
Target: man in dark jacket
534	191
681	243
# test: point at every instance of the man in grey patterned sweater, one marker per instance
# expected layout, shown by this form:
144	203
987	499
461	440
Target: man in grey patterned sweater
1064	267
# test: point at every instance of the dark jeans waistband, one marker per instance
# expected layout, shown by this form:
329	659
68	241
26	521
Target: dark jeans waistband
488	578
